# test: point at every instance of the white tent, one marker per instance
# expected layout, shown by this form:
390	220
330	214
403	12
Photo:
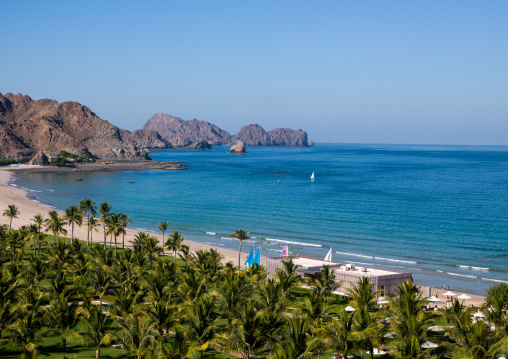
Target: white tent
464	296
433	299
377	351
350	309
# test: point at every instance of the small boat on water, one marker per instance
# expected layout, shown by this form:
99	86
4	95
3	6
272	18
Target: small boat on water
131	182
78	179
312	176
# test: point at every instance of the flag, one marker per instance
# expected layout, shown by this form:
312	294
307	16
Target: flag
328	257
257	257
285	252
250	258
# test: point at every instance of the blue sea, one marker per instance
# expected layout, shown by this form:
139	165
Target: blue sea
440	212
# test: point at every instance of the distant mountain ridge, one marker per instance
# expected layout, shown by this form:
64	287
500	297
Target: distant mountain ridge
28	126
181	133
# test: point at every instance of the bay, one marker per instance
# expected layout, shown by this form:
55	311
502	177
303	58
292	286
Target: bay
438	211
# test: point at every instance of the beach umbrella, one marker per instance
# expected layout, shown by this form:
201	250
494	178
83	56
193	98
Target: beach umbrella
451	294
464	296
436	328
433	299
428	345
350	309
382	302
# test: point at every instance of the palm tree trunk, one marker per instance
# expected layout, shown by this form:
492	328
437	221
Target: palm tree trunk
72	233
64	342
104	230
98	352
239	254
123	241
10	225
115	245
162	244
39	251
175	256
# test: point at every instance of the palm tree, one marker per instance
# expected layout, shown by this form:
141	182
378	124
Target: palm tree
100	282
38	239
64	317
162	226
202	320
496	306
9	286
97	329
55	224
73	215
240	234
138	329
124	222
409	321
114	226
151	249
162	313
11	212
38	220
297	341
472	340
26	330
325	281
88	206
245	335
92	226
363	297
104	209
233	292
341	332
174	242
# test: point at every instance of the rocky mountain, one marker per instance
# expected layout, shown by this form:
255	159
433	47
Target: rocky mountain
255	135
28	126
149	139
181	133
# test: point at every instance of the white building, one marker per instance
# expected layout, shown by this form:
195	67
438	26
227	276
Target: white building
384	280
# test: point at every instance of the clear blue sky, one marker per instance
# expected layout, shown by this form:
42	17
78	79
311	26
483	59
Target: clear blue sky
353	71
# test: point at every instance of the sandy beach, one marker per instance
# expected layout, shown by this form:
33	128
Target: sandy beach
29	208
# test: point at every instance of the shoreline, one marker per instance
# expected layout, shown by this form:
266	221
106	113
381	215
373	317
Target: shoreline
28	207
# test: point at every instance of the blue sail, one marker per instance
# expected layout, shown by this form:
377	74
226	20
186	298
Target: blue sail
250	258
257	258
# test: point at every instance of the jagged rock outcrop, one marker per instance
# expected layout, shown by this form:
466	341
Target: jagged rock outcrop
148	139
171	128
40	159
288	137
28	126
199	145
255	135
239	148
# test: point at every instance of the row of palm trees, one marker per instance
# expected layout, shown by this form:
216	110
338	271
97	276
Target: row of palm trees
169	307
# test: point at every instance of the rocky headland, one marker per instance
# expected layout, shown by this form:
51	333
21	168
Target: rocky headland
28	126
185	134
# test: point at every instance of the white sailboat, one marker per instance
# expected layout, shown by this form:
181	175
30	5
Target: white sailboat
312	176
328	257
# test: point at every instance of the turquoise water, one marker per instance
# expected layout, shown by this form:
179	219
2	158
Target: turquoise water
438	211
